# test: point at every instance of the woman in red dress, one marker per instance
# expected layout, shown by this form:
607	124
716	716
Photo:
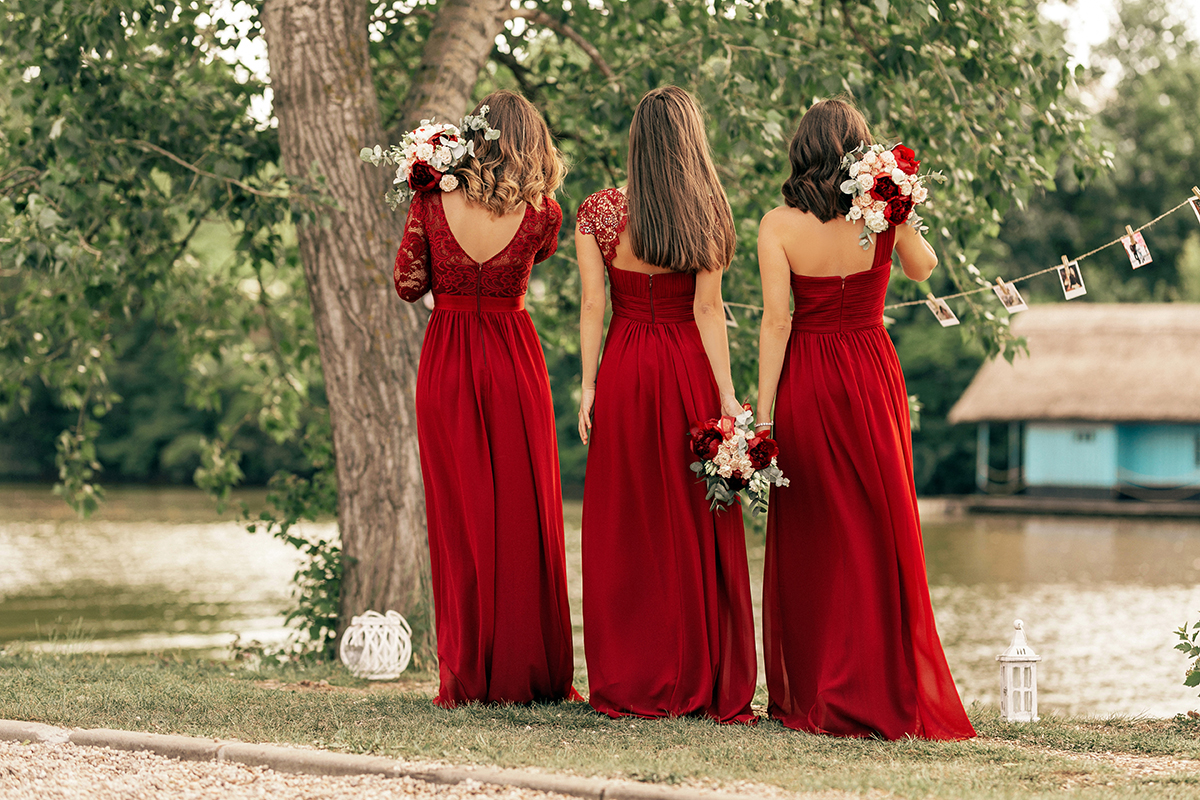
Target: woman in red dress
485	423
848	632
668	625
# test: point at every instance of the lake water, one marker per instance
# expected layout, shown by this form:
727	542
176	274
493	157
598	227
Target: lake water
158	569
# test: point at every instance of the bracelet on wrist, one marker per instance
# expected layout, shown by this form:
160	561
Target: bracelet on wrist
764	424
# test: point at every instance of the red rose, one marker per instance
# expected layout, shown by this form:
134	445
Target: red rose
422	177
761	450
906	159
897	209
884	189
706	439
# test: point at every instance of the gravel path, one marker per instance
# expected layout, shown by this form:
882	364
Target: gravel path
69	772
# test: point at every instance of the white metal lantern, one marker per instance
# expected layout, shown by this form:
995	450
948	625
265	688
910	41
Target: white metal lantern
1018	679
377	646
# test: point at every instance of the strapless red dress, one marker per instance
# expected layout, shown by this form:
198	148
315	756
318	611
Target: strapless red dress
850	643
667	617
489	460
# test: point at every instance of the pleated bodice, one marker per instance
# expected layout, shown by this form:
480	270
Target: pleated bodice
834	304
665	298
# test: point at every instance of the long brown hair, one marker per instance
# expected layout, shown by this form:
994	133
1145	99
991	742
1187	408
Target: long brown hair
827	131
679	217
523	165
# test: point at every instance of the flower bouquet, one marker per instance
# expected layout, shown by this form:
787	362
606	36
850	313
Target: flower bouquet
733	458
427	157
886	188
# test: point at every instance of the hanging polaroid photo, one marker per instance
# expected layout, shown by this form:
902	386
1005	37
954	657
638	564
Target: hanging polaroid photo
1009	297
1072	280
1195	204
1136	249
730	319
942	311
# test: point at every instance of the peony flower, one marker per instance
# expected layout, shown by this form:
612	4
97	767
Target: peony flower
761	451
706	440
885	189
423	177
906	159
897	209
448	183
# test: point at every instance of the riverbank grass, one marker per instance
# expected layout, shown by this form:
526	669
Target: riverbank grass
324	706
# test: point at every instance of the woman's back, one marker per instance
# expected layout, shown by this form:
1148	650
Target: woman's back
815	248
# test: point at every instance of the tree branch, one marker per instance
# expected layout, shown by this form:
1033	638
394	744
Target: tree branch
203	173
857	35
519	72
535	16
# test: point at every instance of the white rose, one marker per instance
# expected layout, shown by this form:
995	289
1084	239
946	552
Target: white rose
888	159
850	186
905	189
424	151
408	151
855	168
870	159
865	182
448	183
919	194
443	154
855	213
876	222
898	176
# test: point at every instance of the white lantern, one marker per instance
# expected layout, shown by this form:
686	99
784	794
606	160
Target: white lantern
1018	679
377	646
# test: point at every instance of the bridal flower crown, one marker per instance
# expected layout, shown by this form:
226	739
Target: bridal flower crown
427	157
886	188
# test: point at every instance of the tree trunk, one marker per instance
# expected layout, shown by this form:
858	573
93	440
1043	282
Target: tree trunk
458	46
369	340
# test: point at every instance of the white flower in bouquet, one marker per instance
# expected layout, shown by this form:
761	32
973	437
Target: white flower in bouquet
866	181
424	151
448	183
854	213
887	159
401	172
876	221
920	194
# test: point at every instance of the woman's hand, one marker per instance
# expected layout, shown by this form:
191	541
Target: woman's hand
586	401
730	405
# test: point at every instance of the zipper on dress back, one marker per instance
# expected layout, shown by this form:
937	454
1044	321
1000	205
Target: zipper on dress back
651	299
842	304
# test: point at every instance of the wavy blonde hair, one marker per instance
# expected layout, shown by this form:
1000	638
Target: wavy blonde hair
522	166
679	217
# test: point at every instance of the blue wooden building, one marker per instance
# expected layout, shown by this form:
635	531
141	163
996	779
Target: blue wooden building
1106	404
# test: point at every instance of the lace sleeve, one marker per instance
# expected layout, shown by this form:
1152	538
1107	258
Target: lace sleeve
552	224
411	273
603	216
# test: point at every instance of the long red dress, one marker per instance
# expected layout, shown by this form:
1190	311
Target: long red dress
848	632
489	460
667	617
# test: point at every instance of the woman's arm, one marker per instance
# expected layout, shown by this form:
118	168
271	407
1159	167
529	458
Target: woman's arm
591	322
916	256
411	272
776	326
709	312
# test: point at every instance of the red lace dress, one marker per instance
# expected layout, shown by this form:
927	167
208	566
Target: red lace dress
667	616
489	459
850	644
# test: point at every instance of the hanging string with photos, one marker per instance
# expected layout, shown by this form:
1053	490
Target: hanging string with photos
1069	274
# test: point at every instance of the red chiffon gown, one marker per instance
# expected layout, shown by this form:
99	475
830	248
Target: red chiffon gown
848	632
489	460
667	617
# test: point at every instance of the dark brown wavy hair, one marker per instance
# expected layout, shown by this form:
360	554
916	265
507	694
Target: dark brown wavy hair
523	165
827	131
679	217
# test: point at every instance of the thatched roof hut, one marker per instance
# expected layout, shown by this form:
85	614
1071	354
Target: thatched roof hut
1094	362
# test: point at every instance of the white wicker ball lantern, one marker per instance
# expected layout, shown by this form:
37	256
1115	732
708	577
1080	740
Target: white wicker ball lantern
377	646
1018	679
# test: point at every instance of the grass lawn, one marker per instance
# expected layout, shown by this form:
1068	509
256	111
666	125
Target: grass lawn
1055	757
